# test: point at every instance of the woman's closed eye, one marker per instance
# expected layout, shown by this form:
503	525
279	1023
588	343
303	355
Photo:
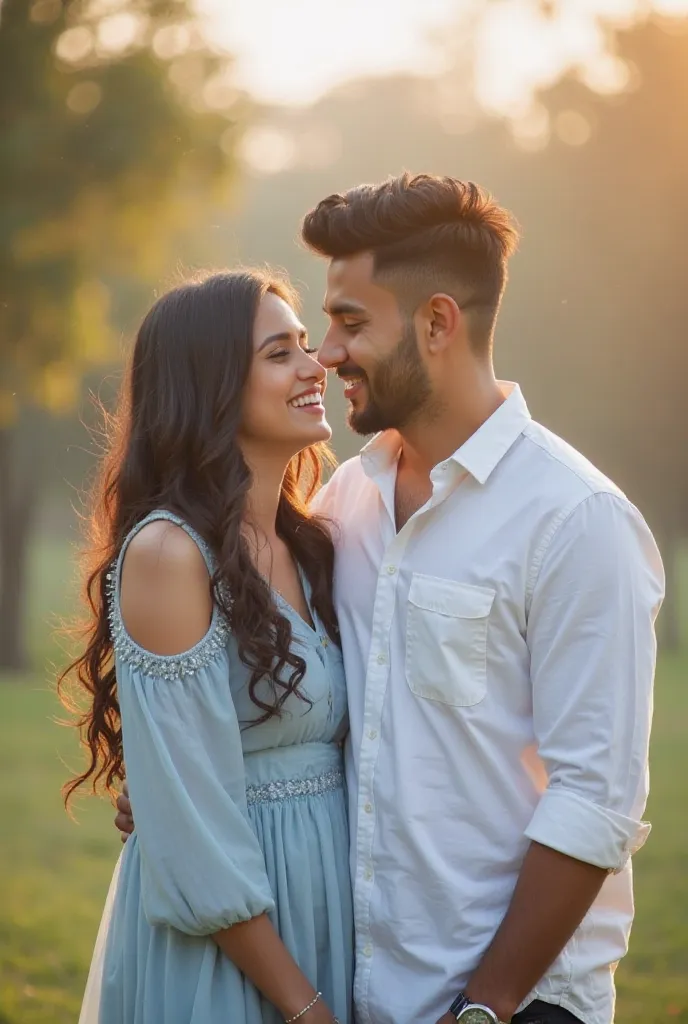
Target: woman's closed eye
282	353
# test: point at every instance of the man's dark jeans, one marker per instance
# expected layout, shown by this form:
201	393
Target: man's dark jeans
544	1013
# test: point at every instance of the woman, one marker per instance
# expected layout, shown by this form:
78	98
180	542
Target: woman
213	670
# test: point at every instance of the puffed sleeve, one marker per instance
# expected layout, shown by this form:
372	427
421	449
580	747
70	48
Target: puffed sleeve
202	866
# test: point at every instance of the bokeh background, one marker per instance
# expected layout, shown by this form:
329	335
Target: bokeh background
140	138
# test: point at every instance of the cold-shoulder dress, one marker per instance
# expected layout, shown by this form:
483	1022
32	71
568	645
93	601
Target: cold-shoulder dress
231	821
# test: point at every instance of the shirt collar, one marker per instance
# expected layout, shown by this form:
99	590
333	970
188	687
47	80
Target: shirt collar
381	452
479	455
486	448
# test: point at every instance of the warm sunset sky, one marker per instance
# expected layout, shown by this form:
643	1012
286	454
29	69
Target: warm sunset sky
294	51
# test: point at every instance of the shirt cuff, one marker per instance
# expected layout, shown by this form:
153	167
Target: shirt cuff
585	831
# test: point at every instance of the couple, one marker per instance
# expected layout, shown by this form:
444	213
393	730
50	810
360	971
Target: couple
461	622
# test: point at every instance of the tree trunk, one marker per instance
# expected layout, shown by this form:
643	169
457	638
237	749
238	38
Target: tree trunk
17	507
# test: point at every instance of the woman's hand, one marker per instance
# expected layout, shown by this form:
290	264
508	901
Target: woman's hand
124	820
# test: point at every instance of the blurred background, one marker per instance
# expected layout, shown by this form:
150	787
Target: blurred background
139	138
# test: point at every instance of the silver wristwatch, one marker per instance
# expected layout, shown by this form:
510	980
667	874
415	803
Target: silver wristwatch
476	1013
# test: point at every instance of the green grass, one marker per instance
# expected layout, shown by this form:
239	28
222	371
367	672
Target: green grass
54	873
652	981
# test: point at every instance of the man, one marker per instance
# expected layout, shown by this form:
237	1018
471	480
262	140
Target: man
497	597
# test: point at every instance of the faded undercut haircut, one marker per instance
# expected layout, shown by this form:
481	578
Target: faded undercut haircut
427	234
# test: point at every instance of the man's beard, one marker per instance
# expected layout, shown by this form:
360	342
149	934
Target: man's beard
398	391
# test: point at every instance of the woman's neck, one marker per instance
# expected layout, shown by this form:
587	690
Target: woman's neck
264	495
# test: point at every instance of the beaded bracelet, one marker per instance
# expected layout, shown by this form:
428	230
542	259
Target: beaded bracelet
310	1006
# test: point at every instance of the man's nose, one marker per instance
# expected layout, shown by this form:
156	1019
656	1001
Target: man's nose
331	353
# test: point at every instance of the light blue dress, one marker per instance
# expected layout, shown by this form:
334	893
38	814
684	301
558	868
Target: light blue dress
230	822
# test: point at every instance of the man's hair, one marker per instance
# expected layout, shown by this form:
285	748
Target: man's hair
427	234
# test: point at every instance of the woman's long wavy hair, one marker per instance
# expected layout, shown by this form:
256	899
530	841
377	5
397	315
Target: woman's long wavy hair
173	445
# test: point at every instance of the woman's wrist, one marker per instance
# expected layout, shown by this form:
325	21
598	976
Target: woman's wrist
301	1003
302	1013
314	1012
319	1014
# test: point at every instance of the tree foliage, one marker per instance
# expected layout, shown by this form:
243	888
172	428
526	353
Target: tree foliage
117	128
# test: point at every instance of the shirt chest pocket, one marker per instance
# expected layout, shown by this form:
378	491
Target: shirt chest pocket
446	640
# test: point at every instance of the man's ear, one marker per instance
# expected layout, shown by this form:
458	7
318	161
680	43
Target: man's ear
441	319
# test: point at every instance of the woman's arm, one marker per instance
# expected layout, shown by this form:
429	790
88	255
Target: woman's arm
167	609
259	953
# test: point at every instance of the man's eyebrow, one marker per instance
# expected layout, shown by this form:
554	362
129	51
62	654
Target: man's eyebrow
342	308
283	336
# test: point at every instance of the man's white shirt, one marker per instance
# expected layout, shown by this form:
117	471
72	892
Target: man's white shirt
499	654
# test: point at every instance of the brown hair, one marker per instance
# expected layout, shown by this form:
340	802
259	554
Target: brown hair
173	446
426	233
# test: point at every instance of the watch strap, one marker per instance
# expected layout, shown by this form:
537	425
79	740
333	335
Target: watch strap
459	1004
462	1002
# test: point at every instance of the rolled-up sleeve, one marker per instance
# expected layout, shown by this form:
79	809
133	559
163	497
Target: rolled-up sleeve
597	592
202	868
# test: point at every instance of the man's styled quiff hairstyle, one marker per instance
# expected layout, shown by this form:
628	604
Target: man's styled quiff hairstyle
427	234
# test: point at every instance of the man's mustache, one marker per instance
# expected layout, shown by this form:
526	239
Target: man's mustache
350	370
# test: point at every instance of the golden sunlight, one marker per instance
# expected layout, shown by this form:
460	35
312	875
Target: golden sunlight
293	53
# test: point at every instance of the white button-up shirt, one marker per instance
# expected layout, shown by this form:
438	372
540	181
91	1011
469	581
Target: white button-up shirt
499	653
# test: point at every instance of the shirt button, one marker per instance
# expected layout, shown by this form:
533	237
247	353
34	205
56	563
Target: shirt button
368	874
381	659
368	808
325	641
391	569
372	735
368	950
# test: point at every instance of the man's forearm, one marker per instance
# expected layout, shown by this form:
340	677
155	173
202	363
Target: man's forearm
552	896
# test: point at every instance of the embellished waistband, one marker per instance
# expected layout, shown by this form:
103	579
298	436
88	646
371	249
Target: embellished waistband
287	789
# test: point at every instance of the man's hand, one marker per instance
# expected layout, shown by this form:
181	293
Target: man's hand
124	820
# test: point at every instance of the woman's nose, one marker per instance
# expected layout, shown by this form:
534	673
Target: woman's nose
311	368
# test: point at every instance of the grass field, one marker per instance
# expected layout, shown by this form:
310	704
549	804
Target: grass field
54	873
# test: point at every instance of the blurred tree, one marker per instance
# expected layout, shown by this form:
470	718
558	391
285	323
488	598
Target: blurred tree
606	202
115	134
597	309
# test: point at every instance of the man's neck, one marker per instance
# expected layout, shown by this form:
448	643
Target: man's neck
424	444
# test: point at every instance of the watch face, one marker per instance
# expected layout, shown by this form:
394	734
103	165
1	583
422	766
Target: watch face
476	1015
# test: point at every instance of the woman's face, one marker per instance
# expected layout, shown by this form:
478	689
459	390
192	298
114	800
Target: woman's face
283	408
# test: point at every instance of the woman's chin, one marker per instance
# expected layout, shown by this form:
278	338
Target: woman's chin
323	432
297	440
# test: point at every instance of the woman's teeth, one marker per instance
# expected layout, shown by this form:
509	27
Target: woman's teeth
352	382
315	399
